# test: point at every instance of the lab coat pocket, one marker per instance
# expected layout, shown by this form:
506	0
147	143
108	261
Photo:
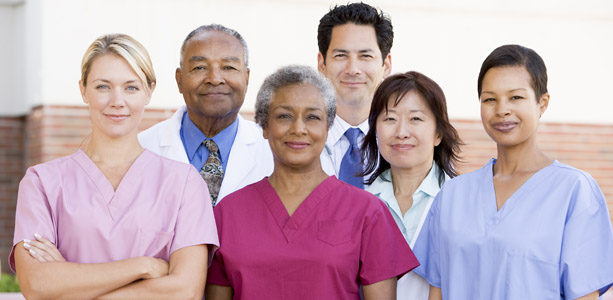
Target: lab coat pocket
334	232
155	243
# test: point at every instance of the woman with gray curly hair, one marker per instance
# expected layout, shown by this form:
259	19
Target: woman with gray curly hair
300	234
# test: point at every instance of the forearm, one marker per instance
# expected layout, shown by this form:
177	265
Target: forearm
168	287
435	293
381	290
186	279
218	292
592	296
66	280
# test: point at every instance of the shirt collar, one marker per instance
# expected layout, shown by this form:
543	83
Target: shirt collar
383	184
194	138
382	187
192	135
337	131
430	184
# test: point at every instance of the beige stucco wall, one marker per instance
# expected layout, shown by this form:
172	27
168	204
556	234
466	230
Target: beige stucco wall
444	39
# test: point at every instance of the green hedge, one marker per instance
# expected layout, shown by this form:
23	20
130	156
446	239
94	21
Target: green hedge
9	284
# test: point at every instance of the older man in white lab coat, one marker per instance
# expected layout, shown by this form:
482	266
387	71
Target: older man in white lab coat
229	151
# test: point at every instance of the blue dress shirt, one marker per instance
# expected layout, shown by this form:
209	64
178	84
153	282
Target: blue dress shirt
192	139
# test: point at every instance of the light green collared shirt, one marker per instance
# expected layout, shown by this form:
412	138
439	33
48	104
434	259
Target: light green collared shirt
423	196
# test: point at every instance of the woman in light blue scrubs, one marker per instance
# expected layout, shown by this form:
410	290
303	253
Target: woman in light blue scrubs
411	148
524	226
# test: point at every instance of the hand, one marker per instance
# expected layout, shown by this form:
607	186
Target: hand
42	249
156	268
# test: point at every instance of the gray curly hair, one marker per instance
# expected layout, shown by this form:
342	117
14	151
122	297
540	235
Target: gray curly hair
288	75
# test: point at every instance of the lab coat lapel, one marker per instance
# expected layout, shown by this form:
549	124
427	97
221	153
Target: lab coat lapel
241	160
421	221
427	210
171	145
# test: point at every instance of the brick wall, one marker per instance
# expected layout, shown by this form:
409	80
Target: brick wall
47	133
54	131
11	171
586	147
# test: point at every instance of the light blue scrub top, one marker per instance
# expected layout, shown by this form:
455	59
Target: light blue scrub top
383	188
552	239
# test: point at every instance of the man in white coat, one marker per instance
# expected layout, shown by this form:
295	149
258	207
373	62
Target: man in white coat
229	151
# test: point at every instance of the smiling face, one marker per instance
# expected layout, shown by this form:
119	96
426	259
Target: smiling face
213	77
406	134
297	126
115	95
510	111
354	64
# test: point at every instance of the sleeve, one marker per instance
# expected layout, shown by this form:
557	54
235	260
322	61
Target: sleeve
34	213
427	246
384	251
195	223
217	272
586	262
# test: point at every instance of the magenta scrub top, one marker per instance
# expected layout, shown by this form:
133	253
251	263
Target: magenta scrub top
160	206
339	238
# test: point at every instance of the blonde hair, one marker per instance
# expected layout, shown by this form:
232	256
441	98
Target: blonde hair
125	46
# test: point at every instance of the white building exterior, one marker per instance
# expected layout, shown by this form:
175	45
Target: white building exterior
42	43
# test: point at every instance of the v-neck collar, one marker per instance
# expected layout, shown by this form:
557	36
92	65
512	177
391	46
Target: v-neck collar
492	214
289	225
104	186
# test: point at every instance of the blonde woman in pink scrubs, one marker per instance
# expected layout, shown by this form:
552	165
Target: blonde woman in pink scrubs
113	221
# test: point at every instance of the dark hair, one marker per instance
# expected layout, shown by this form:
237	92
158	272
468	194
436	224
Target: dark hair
359	14
395	87
517	56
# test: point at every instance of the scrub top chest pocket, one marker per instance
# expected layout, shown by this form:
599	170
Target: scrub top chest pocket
334	232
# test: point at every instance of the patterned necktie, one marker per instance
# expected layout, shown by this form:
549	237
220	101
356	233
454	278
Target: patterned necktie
352	162
212	171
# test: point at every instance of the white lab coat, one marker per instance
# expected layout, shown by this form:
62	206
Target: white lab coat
327	161
411	285
250	158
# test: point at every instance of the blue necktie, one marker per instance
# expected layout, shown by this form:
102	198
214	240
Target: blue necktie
352	162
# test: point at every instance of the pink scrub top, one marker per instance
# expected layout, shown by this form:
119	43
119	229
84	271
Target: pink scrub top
160	206
339	238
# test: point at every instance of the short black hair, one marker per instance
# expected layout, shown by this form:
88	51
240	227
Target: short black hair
359	14
517	56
